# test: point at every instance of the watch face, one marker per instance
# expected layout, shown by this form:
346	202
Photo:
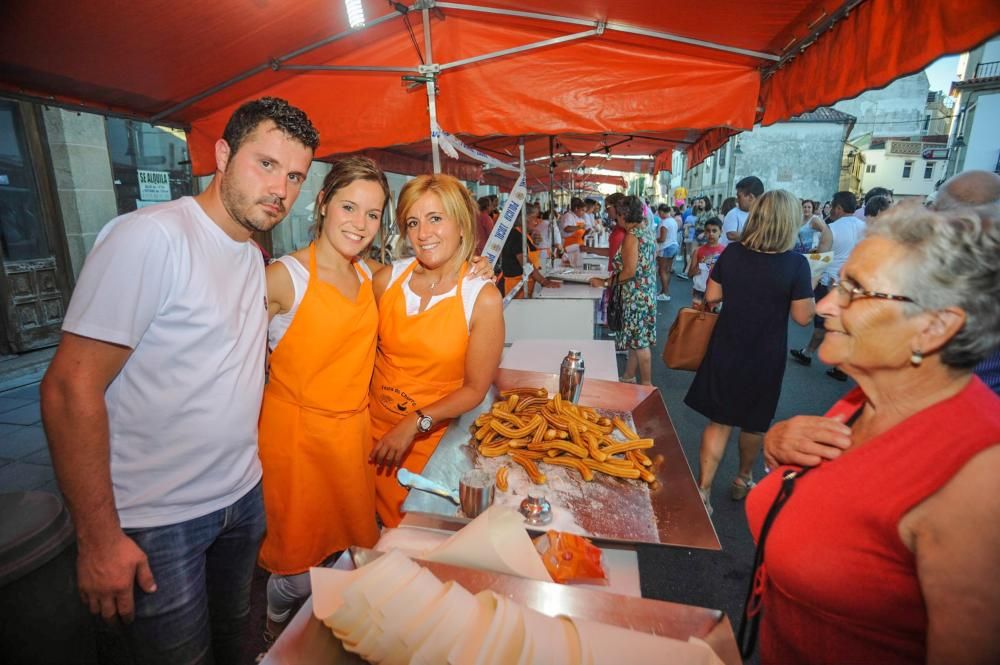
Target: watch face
424	424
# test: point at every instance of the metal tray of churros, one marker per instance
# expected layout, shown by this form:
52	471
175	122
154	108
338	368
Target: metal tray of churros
656	502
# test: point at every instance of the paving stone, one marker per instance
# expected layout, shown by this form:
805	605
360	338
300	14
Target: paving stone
29	414
21	477
23	442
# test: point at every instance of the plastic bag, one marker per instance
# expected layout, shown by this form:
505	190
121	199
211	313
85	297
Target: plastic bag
571	558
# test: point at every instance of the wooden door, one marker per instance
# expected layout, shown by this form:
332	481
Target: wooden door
34	288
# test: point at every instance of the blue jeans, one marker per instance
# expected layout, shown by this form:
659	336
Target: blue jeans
203	569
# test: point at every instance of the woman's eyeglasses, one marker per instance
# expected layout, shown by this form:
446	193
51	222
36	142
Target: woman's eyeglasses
847	292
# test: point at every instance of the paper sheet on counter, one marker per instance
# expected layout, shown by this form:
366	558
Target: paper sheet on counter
497	541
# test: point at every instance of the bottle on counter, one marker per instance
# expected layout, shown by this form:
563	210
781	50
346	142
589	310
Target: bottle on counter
571	376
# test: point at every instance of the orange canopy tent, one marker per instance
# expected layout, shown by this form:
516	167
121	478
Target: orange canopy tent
607	77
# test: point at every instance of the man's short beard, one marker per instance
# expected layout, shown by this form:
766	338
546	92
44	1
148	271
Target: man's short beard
238	208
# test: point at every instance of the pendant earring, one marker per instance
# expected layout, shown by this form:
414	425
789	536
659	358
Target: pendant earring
916	358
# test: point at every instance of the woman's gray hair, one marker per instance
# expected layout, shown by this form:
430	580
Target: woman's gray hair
953	261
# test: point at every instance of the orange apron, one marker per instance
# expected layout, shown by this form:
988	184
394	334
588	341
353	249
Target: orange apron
535	259
576	238
315	430
420	359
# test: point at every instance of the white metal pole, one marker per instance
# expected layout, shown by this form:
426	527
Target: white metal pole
431	92
524	223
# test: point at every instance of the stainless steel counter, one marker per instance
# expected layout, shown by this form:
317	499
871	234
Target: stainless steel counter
609	509
307	641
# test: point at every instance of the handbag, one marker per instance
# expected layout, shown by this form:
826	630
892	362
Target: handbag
688	338
616	306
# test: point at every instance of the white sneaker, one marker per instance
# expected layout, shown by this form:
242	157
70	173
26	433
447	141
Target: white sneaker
663	297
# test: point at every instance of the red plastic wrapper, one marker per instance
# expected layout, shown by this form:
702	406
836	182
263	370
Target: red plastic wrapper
571	558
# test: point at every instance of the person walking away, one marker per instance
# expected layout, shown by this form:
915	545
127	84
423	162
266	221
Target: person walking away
441	335
150	404
667	249
847	231
738	383
748	190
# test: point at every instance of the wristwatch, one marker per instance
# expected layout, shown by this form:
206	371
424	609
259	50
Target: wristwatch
424	422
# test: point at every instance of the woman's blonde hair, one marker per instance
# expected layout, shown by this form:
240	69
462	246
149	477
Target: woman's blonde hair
456	200
774	221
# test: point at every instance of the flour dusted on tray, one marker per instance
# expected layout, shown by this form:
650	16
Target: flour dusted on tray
581	459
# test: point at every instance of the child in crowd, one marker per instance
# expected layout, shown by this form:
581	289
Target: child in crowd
704	258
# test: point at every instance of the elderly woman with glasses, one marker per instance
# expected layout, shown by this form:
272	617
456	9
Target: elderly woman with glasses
887	550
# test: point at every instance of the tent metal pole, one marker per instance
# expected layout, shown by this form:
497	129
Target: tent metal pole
610	25
275	64
524	218
554	222
520	49
346	68
431	90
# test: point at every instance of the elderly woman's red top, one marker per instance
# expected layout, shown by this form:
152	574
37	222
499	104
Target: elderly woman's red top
840	585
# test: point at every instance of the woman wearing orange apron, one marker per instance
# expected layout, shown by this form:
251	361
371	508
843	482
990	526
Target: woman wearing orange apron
315	426
512	262
440	335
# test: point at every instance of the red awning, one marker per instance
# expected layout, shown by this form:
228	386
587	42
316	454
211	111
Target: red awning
681	76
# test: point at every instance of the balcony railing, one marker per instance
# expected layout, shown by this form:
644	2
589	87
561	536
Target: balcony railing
987	69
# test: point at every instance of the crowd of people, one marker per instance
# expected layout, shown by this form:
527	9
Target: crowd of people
174	457
183	470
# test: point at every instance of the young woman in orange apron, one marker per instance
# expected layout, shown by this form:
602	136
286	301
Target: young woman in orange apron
512	262
315	426
440	336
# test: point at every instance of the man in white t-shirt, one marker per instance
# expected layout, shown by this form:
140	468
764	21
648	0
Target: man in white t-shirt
847	232
748	190
151	402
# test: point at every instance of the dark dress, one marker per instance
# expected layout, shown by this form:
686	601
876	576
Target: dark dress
739	381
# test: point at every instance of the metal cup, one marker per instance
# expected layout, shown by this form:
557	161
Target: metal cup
475	492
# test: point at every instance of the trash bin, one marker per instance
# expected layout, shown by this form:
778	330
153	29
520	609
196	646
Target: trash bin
42	619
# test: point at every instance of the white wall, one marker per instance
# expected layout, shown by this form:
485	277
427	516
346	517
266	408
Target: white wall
895	110
983	140
889	173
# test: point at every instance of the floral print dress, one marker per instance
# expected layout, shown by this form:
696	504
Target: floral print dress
638	295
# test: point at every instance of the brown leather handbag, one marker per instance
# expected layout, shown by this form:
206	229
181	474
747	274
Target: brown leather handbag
688	338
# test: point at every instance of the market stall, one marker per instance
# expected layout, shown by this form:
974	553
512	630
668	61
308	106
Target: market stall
557	86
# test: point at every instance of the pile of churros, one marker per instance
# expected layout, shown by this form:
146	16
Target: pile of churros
534	429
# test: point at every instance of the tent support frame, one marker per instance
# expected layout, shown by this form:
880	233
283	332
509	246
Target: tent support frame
619	27
275	64
431	85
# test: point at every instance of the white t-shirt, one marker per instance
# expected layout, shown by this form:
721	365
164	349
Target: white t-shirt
190	301
847	232
300	282
471	286
542	235
735	220
570	220
670	224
